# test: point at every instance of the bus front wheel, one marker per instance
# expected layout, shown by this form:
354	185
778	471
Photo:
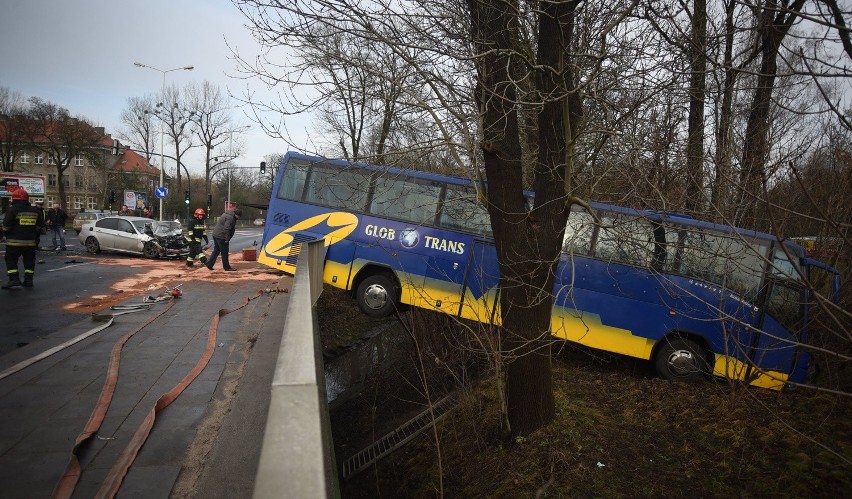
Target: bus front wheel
377	296
680	359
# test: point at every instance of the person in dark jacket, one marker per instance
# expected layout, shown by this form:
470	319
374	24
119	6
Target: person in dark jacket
21	225
196	234
56	218
222	234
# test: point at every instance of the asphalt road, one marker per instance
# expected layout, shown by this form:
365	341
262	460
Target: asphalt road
27	314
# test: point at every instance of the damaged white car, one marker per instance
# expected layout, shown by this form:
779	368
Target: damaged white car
135	236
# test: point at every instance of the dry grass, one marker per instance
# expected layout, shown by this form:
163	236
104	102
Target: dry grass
619	432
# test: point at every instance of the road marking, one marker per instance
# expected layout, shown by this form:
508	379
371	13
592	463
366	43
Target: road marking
69	266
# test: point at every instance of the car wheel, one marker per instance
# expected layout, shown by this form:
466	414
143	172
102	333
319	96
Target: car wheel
680	359
92	245
377	296
150	250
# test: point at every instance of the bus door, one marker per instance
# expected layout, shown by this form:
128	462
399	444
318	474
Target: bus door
481	285
442	286
786	314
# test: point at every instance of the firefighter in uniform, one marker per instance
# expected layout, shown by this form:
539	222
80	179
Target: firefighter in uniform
196	234
22	225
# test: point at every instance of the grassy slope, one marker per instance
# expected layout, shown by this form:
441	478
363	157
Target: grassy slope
619	432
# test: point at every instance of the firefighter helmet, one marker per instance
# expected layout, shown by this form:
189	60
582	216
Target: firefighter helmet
20	194
199	212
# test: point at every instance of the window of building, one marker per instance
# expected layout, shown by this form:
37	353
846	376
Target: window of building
25	157
51	160
51	180
39	159
78	202
91	204
78	160
49	202
79	181
66	181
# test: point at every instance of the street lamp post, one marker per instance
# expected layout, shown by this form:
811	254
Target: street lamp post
162	132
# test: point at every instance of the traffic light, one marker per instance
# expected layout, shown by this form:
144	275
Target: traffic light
263	167
186	197
111	197
209	201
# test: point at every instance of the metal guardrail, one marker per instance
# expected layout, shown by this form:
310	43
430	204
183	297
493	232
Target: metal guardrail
297	457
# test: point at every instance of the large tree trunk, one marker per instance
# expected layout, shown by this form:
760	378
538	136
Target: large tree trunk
697	88
528	243
774	25
721	184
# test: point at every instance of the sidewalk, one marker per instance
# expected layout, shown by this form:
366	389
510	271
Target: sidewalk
218	420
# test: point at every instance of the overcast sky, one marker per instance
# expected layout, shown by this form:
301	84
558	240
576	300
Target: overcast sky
79	54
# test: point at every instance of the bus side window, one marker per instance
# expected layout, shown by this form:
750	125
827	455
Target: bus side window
461	211
783	267
578	233
624	239
338	188
727	261
401	198
292	183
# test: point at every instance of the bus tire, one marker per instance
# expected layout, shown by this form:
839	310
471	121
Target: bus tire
377	296
680	359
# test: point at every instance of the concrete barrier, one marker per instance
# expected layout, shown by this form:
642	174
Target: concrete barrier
297	457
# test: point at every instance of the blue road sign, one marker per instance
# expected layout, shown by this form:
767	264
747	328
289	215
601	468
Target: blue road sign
161	192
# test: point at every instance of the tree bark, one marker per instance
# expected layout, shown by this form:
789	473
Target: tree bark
528	243
774	25
695	122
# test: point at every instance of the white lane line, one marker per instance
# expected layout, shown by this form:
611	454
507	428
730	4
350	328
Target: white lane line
69	266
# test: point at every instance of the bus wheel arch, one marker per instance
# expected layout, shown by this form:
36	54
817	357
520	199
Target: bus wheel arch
682	357
377	291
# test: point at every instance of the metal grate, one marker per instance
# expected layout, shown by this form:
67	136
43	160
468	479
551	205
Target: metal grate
395	439
296	248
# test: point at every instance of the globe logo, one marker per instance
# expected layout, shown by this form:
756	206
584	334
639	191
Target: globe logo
409	238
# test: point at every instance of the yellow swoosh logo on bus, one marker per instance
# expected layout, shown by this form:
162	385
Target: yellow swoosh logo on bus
343	223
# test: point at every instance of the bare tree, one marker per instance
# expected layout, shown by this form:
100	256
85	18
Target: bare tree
52	130
140	130
775	21
213	126
176	113
13	108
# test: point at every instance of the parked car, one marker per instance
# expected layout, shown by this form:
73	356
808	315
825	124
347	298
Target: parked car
85	217
259	221
135	236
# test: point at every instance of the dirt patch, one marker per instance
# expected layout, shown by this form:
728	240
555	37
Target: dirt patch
157	277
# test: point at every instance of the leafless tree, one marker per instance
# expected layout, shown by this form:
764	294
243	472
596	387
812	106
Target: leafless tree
51	129
213	123
140	126
13	108
176	112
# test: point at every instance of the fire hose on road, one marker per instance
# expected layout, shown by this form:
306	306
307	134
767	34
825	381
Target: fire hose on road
66	485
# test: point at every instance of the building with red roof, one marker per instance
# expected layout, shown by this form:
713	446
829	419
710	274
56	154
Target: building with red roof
95	170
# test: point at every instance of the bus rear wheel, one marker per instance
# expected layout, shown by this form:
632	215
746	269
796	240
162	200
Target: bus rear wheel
377	296
680	359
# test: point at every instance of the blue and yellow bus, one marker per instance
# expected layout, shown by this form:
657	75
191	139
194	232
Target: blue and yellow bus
692	297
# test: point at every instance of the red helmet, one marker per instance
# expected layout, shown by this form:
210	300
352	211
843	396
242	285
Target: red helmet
199	212
20	194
